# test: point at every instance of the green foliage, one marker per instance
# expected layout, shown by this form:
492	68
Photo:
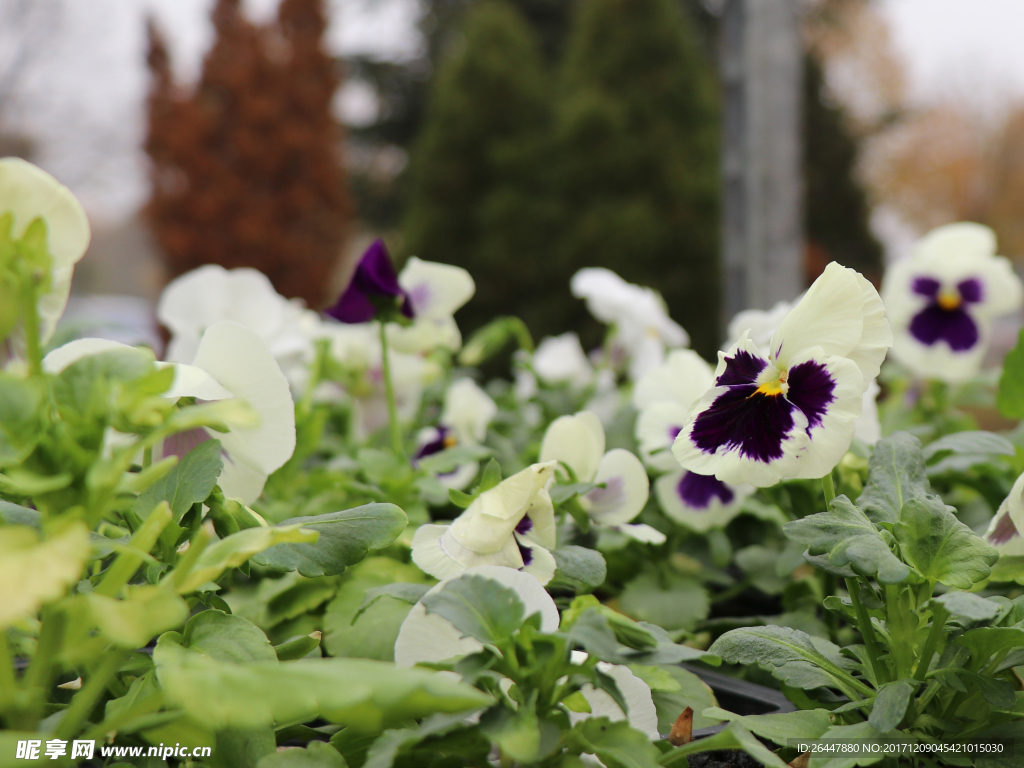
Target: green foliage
1010	397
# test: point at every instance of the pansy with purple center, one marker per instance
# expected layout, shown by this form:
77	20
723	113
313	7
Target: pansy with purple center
374	289
699	502
791	412
943	298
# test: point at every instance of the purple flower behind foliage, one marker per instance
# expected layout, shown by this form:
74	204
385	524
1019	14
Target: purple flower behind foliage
373	284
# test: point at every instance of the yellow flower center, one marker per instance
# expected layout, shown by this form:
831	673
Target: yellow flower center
948	300
770	388
449	441
773	383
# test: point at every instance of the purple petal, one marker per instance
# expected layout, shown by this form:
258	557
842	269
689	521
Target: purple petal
1004	531
374	278
926	286
741	368
438	444
811	389
526	553
524	526
745	419
953	326
673	431
970	290
180	443
697	491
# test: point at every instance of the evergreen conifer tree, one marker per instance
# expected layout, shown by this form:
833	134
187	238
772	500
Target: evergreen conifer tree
479	187
638	168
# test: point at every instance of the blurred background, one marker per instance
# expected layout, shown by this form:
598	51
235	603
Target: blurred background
721	151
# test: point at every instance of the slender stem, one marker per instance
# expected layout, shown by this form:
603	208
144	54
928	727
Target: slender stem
389	393
147	457
128	562
30	320
867	631
40	669
7	681
85	700
829	487
931	643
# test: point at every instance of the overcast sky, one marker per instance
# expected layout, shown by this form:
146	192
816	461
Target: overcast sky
82	100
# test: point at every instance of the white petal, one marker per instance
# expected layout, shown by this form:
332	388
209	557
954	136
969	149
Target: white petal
959	242
1015	502
868	428
647	355
542	514
239	361
577	441
190	381
560	359
29	193
683	378
642	532
52	303
239	479
1006	527
656	428
430	556
642	713
715	515
468	410
626	489
459	477
436	290
427	637
542	564
425	335
62	357
760	324
842	314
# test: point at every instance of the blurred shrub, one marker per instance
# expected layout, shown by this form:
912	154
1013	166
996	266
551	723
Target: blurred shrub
246	169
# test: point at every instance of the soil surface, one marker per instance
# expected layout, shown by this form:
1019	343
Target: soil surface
723	758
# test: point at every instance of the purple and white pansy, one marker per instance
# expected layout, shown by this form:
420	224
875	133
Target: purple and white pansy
436	292
942	299
373	290
622	484
790	411
511	524
231	362
467	413
664	398
1006	530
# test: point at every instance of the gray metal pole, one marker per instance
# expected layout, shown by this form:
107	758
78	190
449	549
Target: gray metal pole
762	73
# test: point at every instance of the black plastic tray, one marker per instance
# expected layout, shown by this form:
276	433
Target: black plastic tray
739	696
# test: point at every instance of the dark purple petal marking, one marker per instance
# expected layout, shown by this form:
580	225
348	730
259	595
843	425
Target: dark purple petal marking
953	326
438	444
741	368
970	290
926	286
673	431
697	491
180	443
374	279
525	552
524	526
1004	531
743	418
811	389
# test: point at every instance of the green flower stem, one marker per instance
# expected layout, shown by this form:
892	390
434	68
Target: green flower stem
389	393
829	487
40	670
30	321
201	539
147	457
128	562
831	582
7	682
85	700
867	631
931	643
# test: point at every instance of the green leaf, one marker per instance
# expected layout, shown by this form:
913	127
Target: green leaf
145	612
491	476
790	655
345	539
733	736
372	635
778	729
515	732
364	694
235	550
999	693
970	443
968	605
1010	397
407	593
677	602
450	458
849	538
560	493
15	514
580	569
298	648
226	637
317	754
693	692
986	642
479	607
896	474
890	705
615	744
20	430
188	483
459	498
392	743
34	572
940	547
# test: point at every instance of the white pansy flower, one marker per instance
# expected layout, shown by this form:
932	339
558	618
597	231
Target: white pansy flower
623	488
512	524
436	292
429	638
468	411
561	360
29	193
760	324
198	299
643	328
942	299
231	362
790	410
1006	530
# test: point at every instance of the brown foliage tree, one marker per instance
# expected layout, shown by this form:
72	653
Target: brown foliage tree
246	169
